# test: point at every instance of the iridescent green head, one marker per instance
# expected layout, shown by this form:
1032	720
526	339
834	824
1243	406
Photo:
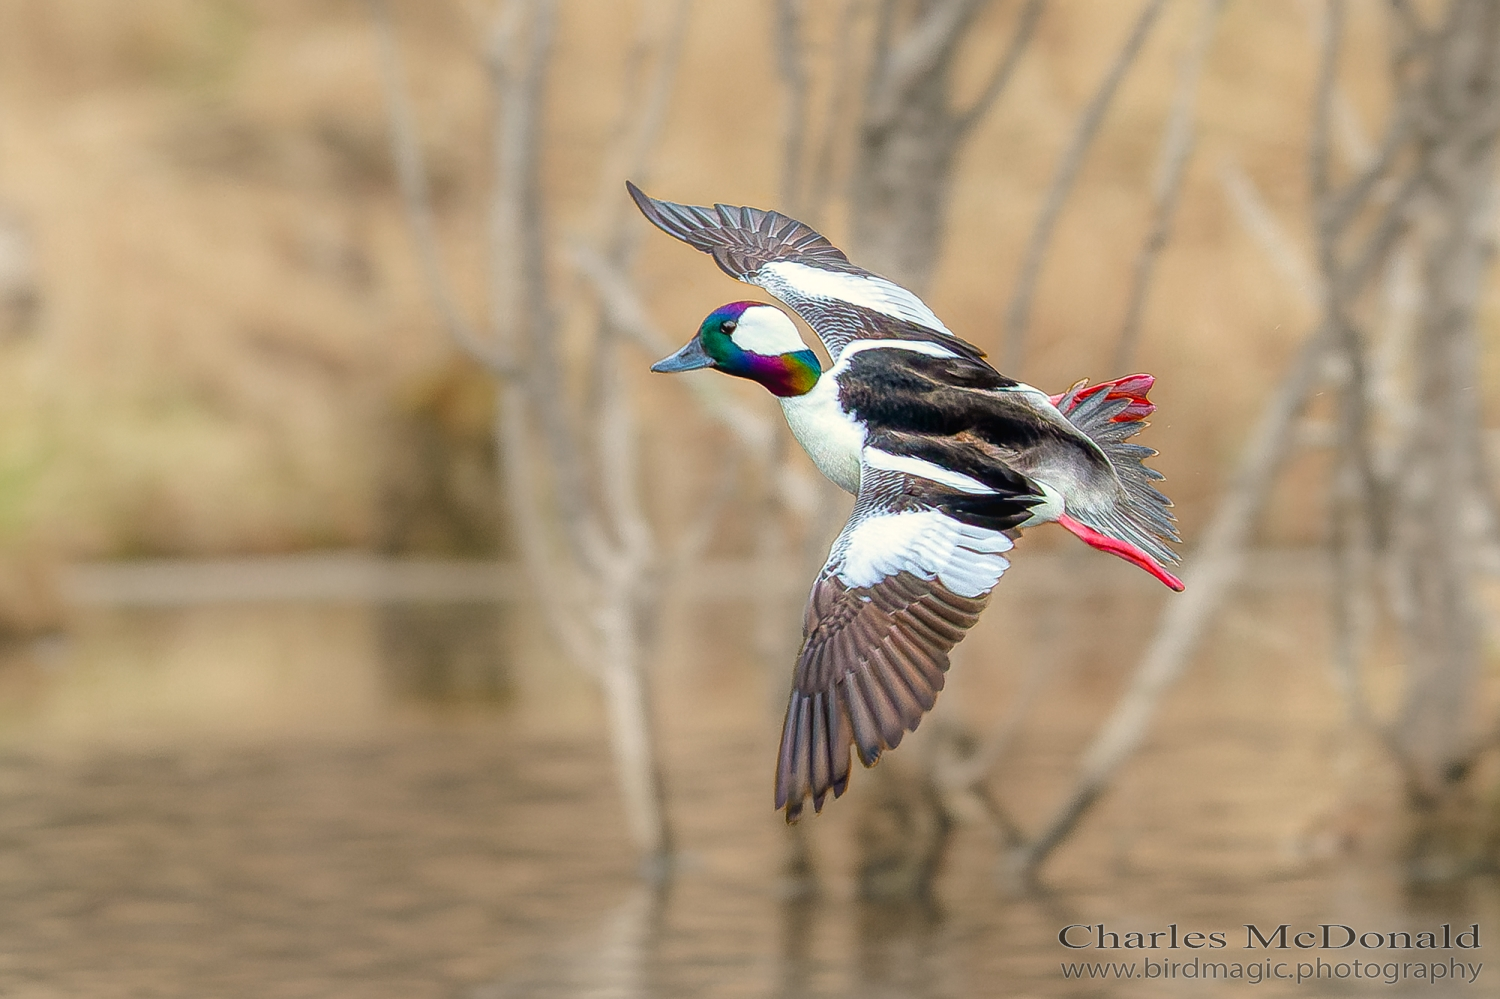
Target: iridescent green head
750	340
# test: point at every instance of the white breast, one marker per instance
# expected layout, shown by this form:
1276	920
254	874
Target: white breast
831	437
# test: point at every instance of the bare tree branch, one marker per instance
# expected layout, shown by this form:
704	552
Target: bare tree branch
908	138
643	115
411	172
521	306
1262	225
1456	94
841	88
1451	182
927	46
791	61
980	764
1317	155
1020	38
1353	491
596	589
618	467
498	358
1176	146
1018	315
880	58
625	310
1210	576
1216	565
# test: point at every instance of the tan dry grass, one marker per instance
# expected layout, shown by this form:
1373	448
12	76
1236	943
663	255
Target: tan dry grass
231	302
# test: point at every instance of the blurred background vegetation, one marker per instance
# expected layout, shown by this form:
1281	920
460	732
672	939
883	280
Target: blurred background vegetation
226	313
216	341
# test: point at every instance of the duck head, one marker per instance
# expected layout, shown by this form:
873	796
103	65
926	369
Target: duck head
750	340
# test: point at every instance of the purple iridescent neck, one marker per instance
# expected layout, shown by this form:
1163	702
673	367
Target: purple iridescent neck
784	375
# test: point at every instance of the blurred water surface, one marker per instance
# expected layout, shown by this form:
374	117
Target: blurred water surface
410	799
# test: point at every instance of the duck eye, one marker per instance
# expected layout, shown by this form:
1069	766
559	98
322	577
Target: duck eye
727	326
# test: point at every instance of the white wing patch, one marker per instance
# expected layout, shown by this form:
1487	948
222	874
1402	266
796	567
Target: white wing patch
915	346
922	469
867	291
927	544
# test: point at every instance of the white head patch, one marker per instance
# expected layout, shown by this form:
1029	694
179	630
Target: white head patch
765	329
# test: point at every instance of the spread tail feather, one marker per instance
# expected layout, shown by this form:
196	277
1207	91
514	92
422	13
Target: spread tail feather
1111	413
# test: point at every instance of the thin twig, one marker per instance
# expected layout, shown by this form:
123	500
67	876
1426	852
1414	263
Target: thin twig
1176	146
1018	315
623	306
643	115
979	765
1317	156
1210	576
840	90
411	173
928	44
791	62
1020	39
1261	223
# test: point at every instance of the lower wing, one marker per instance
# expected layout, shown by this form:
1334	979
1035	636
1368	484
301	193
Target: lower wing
906	579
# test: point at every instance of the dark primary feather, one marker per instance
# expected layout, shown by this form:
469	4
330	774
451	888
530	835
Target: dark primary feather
872	664
743	240
873	657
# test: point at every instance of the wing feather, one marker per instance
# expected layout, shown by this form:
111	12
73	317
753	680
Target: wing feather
798	265
904	582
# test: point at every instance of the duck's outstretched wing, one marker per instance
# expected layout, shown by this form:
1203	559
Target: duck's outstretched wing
905	580
794	262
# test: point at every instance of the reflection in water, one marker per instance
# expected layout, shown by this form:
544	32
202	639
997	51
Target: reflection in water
446	652
253	801
797	964
896	949
605	962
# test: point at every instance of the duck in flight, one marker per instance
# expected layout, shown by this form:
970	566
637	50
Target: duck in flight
948	460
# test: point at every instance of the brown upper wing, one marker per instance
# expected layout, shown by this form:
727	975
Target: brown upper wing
742	240
842	302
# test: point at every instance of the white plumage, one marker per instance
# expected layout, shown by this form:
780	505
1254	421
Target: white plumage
765	329
925	543
864	290
831	437
924	469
